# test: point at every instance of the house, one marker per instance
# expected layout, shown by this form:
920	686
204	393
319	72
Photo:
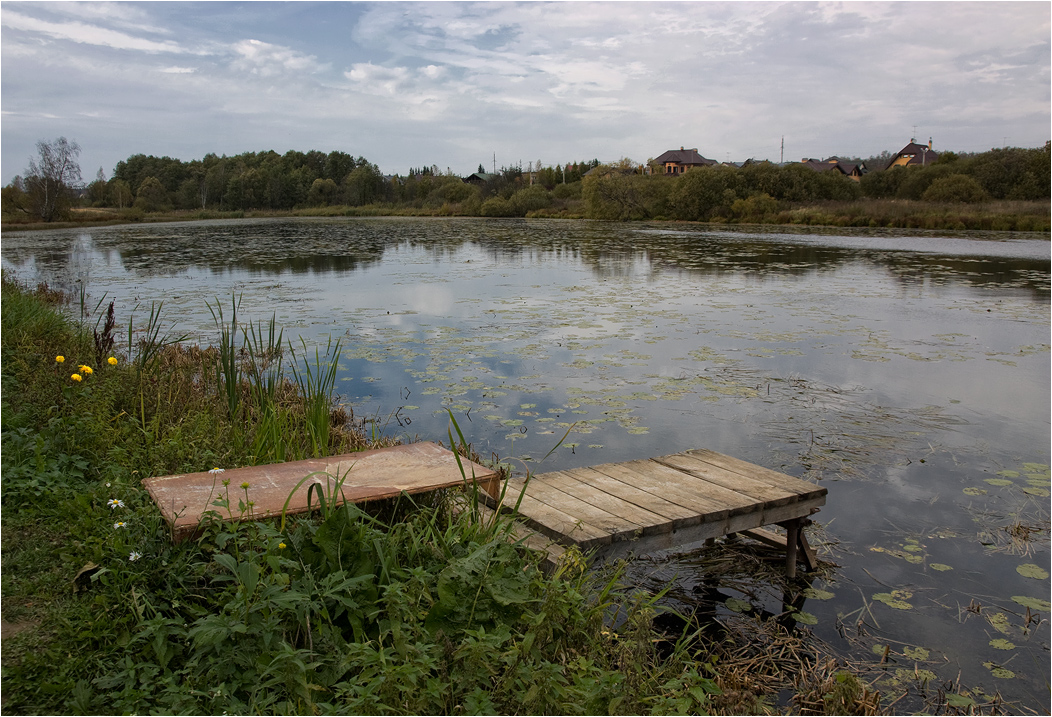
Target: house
677	161
480	178
835	164
913	155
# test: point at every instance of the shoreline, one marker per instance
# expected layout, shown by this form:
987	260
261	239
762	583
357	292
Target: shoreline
1021	216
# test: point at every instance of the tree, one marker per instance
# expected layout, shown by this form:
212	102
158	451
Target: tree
152	196
120	193
98	189
51	178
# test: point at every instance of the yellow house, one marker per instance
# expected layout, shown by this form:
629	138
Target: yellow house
913	155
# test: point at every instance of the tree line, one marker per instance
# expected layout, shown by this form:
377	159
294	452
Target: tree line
314	180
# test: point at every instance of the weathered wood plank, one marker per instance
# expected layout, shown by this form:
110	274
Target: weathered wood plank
679	515
706	509
368	475
662	478
553	522
736	465
571	484
589	512
745	484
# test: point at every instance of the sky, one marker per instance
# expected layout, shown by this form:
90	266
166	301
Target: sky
457	85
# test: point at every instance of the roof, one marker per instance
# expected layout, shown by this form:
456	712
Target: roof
480	177
917	154
834	163
686	157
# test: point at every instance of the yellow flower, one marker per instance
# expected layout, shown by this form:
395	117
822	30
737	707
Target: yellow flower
60	359
76	377
112	360
281	546
86	370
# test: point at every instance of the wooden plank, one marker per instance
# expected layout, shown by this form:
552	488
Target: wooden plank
679	516
368	475
675	485
588	512
569	483
746	485
553	522
736	465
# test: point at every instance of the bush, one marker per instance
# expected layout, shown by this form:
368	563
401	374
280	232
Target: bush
955	188
497	207
530	199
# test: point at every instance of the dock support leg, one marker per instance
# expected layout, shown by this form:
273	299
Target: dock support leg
792	533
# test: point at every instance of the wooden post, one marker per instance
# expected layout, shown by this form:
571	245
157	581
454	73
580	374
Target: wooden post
792	536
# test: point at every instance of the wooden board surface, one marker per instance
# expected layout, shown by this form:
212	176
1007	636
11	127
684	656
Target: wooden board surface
659	501
368	475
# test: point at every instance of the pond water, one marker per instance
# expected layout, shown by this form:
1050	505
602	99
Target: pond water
908	373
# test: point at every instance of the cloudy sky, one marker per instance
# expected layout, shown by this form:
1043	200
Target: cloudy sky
452	84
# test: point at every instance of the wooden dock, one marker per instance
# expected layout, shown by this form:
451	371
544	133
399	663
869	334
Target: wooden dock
367	475
608	511
617	509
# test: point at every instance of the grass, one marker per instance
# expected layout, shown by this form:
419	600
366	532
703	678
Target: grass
408	607
1003	215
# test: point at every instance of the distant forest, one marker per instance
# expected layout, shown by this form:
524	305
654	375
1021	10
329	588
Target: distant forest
338	183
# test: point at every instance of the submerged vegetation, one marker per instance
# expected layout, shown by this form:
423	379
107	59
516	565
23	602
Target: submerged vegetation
409	607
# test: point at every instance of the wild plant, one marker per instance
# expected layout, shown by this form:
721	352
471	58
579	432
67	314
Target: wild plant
316	387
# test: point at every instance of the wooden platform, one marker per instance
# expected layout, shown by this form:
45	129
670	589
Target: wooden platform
673	501
368	475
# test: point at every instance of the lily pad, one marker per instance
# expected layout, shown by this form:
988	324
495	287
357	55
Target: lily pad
998	620
816	594
1029	570
804	618
916	653
737	605
998	481
955	700
896	599
1008	474
998	671
974	491
941	567
1002	644
1033	603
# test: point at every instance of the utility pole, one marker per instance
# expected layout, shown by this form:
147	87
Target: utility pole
781	159
494	162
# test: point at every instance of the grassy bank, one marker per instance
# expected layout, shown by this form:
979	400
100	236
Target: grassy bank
1030	216
411	608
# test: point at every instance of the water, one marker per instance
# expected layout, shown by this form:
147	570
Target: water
909	373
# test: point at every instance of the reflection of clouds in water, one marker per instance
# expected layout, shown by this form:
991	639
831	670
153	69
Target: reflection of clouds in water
430	299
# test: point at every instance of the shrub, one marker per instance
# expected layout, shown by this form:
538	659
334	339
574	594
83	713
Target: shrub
497	207
955	188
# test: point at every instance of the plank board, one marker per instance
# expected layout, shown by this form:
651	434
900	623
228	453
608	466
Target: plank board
654	504
368	475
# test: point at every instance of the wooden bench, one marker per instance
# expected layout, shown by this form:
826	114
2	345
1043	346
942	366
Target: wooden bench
279	488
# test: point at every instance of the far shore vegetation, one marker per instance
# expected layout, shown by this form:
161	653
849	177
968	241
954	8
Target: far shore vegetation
1004	190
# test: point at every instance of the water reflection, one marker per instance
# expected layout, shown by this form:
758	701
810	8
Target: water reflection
611	251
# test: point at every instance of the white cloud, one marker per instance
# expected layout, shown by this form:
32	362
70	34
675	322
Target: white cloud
265	59
377	80
87	34
178	70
